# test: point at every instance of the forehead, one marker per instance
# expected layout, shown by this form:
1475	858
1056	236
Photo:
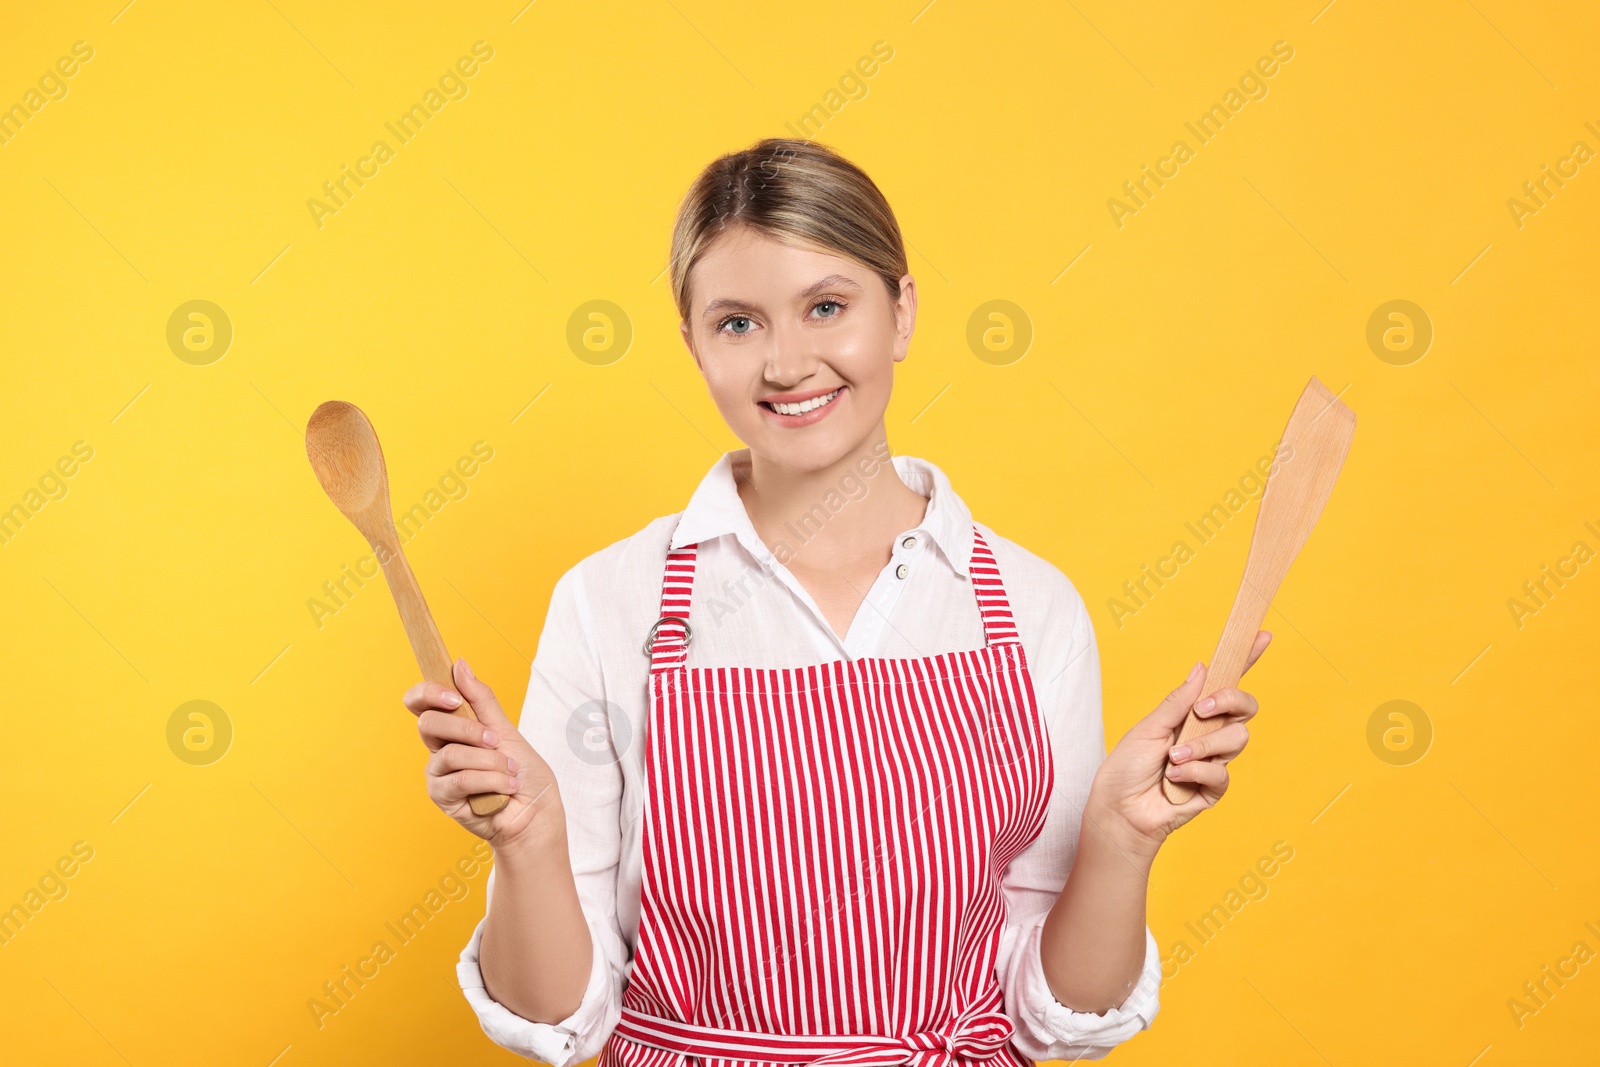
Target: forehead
745	258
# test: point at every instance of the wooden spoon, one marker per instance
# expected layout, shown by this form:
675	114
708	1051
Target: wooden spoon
344	452
1320	430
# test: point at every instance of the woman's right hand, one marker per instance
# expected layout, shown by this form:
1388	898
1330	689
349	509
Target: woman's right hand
487	756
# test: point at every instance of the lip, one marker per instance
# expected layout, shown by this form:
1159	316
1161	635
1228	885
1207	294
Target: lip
796	398
814	415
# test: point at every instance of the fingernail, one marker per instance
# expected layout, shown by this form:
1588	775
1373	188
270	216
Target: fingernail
1205	705
511	765
491	738
1181	752
467	667
515	785
451	700
1195	673
1172	770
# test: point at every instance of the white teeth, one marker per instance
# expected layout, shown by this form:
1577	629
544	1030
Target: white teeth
805	405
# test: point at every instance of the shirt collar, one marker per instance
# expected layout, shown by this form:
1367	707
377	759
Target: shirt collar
715	509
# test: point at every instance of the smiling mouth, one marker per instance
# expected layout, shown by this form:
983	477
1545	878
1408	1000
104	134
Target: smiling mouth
804	406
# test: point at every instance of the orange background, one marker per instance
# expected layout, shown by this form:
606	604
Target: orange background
1439	861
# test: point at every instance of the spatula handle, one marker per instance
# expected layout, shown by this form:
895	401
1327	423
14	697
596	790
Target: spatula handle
428	646
1225	671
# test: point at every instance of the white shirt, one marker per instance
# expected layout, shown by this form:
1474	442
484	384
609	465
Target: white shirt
587	709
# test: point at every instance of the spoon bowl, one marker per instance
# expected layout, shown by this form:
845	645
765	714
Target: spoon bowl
344	453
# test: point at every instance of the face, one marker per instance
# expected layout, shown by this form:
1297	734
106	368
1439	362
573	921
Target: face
797	345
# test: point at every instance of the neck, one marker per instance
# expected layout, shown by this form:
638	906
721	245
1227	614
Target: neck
834	516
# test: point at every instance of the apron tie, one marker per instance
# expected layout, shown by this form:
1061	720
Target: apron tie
979	1036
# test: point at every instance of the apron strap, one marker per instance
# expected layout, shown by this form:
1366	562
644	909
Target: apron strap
667	643
999	628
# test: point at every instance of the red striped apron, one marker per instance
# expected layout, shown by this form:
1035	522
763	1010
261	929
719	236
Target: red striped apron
823	847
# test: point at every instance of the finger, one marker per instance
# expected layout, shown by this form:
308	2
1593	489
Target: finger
1224	744
467	758
424	695
482	699
439	728
1209	776
1235	702
452	789
1174	708
1263	639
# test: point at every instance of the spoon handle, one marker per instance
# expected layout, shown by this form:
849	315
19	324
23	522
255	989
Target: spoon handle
427	645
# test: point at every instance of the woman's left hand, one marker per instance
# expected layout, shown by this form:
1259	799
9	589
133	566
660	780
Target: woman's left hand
1126	800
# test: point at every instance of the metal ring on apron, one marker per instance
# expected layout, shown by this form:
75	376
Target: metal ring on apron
651	636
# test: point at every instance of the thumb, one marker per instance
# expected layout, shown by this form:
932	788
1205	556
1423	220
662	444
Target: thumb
1171	712
484	703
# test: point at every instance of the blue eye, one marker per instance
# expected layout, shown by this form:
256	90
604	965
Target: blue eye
827	302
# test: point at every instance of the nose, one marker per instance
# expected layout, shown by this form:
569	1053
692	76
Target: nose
793	355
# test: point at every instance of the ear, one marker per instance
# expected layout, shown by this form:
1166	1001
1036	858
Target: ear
905	317
688	341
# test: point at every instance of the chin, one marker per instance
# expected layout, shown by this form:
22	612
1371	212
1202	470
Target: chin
805	452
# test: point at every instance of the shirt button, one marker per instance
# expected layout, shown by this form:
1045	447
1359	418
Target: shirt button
901	571
909	542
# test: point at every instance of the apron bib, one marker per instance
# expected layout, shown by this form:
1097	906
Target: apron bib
823	848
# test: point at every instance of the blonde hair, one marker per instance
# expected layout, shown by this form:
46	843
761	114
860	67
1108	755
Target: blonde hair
795	191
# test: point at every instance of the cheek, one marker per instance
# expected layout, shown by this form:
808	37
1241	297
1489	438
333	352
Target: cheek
866	359
730	386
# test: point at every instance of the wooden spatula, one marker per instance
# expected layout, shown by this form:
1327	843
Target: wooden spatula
1319	432
344	452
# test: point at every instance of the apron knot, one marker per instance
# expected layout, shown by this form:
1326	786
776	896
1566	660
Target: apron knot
976	1037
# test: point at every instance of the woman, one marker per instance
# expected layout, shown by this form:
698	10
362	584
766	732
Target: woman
851	803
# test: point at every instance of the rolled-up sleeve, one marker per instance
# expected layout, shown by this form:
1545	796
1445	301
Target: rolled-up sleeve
1067	681
565	719
1049	1030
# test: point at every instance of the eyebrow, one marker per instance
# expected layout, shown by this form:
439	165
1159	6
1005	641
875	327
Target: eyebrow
832	281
